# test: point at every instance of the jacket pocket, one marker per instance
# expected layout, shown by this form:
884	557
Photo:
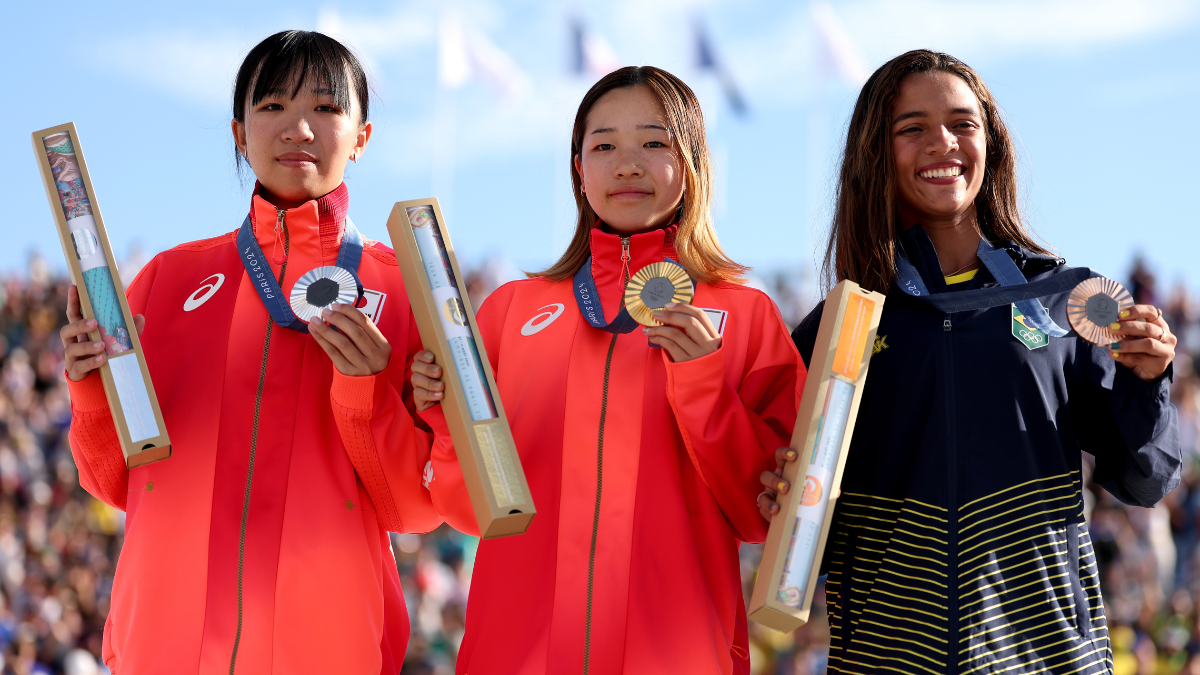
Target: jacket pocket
1083	614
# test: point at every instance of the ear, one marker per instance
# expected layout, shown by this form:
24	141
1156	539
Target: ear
239	136
579	170
364	136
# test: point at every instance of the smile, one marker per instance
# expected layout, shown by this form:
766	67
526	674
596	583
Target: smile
942	172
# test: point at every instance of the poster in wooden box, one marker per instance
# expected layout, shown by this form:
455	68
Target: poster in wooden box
81	230
446	320
787	575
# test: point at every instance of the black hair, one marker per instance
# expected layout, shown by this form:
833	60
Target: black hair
291	58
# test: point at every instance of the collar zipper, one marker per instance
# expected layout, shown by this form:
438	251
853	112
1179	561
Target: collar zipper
280	228
625	257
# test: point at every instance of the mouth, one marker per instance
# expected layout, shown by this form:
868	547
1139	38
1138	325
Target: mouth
629	193
296	159
942	172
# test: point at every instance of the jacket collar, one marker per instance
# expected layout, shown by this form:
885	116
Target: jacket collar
608	268
314	231
920	251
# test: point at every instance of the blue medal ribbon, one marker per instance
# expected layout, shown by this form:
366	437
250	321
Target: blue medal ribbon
267	286
588	300
1014	288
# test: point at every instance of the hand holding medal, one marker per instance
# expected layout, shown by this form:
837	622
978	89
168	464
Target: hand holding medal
1102	312
659	297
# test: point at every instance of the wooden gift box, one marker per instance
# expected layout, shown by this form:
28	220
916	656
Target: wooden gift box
127	385
490	463
841	353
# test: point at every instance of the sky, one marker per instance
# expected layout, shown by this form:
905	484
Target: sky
1101	95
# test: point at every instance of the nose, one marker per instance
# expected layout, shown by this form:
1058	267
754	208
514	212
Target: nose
943	142
629	165
298	130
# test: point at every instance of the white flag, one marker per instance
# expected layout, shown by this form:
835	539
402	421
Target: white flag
839	51
465	53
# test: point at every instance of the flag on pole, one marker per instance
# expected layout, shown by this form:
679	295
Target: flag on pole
591	55
839	54
465	54
708	61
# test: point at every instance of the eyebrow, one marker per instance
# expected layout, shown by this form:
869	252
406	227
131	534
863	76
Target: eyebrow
609	130
922	113
286	93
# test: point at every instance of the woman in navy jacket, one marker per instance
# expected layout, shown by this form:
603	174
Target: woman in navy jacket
958	543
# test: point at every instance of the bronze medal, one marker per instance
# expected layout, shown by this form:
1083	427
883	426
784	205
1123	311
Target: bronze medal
1094	305
655	286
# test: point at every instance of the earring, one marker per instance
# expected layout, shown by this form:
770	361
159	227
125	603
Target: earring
354	158
581	189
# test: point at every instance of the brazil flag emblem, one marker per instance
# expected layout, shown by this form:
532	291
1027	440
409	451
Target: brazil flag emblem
1032	338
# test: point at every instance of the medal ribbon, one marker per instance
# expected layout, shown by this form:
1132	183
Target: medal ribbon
348	258
589	302
1014	288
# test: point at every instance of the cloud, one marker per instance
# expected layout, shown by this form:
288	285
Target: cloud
1012	27
195	67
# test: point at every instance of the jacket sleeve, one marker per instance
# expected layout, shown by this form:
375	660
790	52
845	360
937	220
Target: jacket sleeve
95	444
448	489
390	452
1129	425
733	419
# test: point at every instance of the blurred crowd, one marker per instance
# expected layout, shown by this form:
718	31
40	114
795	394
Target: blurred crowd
59	546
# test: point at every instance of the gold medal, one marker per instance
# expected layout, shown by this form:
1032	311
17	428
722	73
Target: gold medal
1094	305
655	286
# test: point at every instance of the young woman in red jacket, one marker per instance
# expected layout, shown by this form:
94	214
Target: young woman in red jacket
261	545
642	446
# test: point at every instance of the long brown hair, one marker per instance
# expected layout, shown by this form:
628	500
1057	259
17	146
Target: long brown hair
696	242
862	235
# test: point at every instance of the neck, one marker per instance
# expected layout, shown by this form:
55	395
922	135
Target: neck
956	240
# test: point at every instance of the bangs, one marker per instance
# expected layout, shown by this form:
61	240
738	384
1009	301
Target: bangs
289	61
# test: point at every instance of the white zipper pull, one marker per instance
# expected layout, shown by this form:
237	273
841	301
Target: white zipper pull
625	258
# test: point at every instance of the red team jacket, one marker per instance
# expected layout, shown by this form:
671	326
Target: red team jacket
631	564
338	464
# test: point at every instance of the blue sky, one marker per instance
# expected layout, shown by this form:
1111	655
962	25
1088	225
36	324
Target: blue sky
1102	95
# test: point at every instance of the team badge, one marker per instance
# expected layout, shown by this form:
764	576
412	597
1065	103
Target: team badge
1031	337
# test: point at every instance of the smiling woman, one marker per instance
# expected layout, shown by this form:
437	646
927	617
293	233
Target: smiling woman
642	448
961	520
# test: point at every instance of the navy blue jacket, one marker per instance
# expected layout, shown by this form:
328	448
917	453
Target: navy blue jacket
958	544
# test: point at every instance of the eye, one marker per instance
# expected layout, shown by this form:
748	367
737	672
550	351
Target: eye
271	106
909	131
604	146
329	107
656	144
967	125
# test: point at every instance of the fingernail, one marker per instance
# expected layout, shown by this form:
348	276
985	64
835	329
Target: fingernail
100	359
325	313
774	508
91	322
646	331
780	485
1115	354
437	394
790	454
435	370
1124	314
1115	326
97	345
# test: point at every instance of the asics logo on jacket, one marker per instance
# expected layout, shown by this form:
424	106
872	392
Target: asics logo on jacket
196	298
542	319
